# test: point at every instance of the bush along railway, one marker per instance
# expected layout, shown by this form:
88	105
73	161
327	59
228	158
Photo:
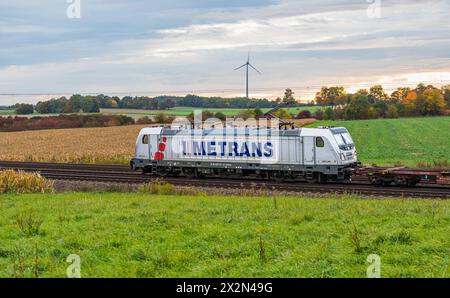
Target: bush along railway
315	155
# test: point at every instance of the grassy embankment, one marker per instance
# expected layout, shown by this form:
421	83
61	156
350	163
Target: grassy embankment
136	235
404	141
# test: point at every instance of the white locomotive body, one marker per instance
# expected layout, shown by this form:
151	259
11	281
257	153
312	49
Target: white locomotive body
314	154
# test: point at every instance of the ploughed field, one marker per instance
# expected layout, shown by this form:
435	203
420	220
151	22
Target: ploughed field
419	142
139	235
406	141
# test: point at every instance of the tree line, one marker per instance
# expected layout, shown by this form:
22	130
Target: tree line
376	103
363	104
92	104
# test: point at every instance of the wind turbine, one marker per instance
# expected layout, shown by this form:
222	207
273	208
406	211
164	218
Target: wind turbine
247	65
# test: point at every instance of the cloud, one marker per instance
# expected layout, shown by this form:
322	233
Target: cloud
123	46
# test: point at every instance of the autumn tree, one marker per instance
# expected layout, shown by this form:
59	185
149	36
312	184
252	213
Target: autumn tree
392	112
331	96
362	92
409	102
420	88
289	97
358	107
377	94
446	93
112	103
398	95
434	101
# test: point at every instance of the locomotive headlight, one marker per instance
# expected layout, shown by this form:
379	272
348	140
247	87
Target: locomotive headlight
342	156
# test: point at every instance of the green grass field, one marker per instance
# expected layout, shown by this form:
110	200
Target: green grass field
136	235
7	112
404	141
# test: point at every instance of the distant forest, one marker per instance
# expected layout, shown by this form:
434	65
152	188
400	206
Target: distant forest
93	104
424	100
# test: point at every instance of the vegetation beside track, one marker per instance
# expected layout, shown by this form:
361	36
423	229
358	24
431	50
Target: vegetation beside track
184	236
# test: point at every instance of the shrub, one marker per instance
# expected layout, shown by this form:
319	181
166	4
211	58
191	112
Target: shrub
161	118
329	114
283	114
144	120
24	109
21	182
304	115
318	115
220	116
63	121
29	224
159	187
392	112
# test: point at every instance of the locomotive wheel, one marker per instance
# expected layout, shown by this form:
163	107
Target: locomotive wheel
413	181
190	172
144	171
276	176
163	172
375	180
312	180
321	178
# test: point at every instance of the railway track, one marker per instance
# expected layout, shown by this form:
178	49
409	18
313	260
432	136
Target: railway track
122	174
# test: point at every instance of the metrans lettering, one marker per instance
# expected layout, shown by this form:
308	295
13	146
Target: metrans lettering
212	148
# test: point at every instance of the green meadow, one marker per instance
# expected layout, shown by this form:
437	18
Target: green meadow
406	141
137	235
7	112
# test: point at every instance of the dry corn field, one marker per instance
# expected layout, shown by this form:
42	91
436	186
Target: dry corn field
104	145
22	182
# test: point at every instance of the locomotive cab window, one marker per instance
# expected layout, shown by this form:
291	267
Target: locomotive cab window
320	143
145	139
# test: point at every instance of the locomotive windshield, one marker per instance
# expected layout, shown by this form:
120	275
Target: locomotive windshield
343	138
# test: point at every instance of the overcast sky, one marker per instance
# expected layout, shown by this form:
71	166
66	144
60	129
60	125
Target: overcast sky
182	46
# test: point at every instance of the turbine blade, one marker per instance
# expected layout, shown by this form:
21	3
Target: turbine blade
241	66
254	68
